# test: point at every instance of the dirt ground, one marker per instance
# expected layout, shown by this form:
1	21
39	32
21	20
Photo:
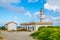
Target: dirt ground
17	35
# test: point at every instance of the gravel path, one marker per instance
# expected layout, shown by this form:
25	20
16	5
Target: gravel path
18	35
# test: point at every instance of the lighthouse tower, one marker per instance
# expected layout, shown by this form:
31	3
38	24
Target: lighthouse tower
42	15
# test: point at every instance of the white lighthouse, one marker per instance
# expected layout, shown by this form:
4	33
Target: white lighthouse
42	15
33	26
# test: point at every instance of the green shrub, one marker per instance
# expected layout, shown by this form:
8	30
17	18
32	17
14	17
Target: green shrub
47	33
2	28
34	34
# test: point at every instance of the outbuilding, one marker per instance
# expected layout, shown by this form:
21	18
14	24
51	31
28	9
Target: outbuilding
11	26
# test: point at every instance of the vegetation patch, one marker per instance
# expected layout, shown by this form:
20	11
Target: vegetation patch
47	33
2	37
2	27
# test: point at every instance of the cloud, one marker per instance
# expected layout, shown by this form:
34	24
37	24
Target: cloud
32	0
57	19
18	9
0	20
8	4
52	5
54	20
37	14
9	1
48	18
15	17
55	6
28	14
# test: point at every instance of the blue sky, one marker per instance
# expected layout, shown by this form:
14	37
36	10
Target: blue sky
21	11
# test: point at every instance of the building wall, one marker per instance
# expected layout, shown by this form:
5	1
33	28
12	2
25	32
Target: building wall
37	26
33	27
12	26
28	27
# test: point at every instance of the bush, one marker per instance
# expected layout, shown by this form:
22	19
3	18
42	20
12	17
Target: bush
47	33
34	34
2	27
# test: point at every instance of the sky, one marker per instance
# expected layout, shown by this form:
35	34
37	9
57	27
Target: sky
21	11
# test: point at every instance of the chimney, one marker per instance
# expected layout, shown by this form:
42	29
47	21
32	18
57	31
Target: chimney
42	15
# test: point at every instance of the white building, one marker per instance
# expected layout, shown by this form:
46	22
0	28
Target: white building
11	26
33	26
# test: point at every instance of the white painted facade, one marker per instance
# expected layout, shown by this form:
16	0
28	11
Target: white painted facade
28	27
37	26
11	26
34	27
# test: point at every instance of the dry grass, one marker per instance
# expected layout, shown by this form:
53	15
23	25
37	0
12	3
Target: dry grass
2	36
